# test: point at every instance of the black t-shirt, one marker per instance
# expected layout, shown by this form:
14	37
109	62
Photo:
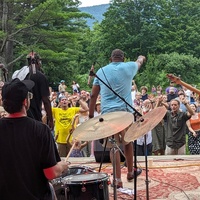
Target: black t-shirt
26	148
171	96
40	89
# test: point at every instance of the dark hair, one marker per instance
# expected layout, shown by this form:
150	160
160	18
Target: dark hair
33	58
194	105
12	106
117	53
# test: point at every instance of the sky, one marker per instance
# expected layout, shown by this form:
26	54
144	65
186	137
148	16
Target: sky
93	2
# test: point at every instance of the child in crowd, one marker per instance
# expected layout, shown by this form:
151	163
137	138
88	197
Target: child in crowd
77	148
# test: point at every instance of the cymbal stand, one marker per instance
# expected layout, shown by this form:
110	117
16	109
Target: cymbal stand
136	114
102	155
146	167
114	149
135	163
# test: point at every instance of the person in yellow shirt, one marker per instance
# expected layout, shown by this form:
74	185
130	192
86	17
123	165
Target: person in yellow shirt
64	123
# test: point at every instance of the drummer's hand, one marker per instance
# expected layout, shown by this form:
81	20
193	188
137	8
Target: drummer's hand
64	165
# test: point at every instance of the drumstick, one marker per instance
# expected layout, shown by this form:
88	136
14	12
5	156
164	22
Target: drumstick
70	151
73	123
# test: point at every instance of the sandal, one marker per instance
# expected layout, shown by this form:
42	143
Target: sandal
130	175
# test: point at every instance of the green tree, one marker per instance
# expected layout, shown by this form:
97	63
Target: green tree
53	28
154	26
158	66
178	26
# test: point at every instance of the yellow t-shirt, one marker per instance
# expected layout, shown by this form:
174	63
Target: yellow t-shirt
63	122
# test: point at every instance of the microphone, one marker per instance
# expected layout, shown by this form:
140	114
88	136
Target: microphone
91	73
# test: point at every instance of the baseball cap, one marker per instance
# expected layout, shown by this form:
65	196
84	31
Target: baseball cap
16	90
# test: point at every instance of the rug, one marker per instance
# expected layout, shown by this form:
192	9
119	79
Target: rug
167	178
173	180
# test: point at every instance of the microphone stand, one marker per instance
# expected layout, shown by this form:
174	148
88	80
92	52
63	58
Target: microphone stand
136	113
146	166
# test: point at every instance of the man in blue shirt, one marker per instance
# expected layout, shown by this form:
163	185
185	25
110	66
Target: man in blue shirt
118	75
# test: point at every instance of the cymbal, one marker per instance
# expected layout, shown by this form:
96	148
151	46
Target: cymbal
103	126
146	123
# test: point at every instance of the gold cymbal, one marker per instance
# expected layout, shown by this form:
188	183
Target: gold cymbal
103	126
145	123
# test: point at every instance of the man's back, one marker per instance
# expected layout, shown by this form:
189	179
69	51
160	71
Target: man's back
118	75
40	89
23	158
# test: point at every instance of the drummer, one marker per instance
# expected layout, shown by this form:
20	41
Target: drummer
118	75
28	154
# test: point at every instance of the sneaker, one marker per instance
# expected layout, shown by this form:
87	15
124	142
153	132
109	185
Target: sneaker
130	177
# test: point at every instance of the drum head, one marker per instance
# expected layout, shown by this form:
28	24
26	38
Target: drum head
72	170
79	178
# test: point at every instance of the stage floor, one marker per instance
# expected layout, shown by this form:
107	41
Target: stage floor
168	177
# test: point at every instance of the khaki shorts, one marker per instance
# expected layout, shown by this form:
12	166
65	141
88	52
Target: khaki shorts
63	149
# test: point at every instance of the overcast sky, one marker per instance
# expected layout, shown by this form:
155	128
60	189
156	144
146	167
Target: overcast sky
93	2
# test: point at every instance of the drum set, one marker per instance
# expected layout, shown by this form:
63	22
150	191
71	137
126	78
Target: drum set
83	183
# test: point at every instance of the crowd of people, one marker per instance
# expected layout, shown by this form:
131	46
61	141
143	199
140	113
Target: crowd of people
169	136
40	143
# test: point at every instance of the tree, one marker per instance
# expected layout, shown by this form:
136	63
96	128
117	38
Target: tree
53	28
154	26
178	26
158	66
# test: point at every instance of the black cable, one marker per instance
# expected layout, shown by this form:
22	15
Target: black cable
172	186
168	184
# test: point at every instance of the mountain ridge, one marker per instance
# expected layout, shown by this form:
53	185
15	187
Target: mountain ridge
96	11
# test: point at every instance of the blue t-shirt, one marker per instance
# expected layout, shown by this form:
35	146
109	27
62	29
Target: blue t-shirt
118	75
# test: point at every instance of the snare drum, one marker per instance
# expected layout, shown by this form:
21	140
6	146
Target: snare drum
72	170
92	186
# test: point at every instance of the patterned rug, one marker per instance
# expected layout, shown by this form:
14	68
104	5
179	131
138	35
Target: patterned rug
167	179
175	180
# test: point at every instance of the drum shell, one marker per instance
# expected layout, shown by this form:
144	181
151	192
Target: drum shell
73	170
93	186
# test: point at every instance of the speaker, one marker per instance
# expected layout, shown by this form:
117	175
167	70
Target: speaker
98	153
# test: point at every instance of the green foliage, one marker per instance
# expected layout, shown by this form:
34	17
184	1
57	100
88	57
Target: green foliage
166	31
55	29
154	26
158	66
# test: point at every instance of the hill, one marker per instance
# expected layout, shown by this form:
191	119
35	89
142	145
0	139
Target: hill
96	11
